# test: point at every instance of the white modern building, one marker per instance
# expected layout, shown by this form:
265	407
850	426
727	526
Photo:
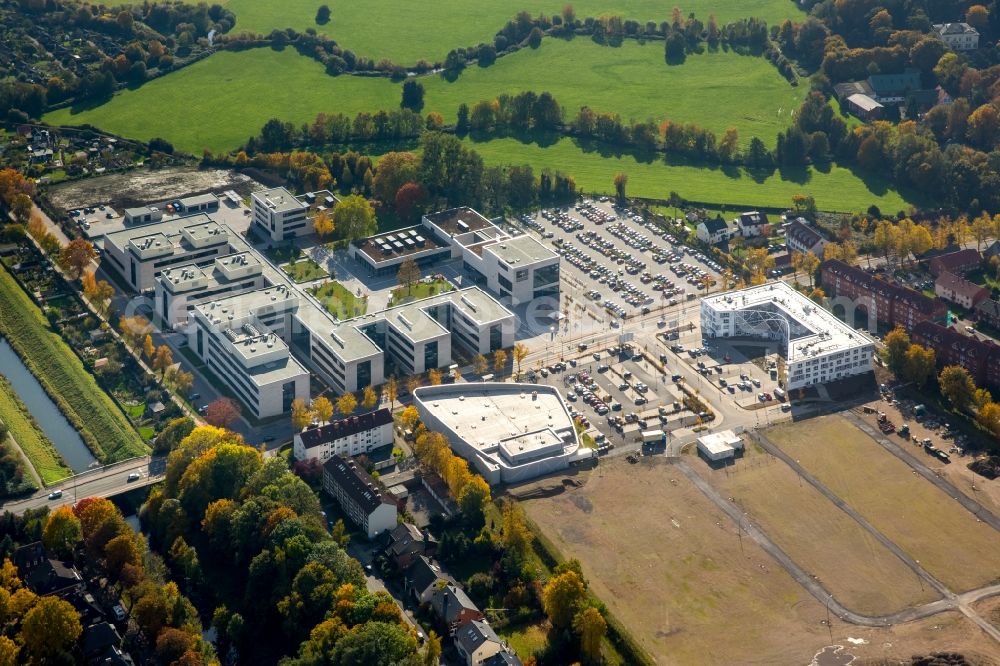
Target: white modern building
369	507
721	445
817	346
958	36
507	432
351	436
518	269
280	215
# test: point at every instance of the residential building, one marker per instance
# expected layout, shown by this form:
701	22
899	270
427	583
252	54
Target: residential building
880	301
800	236
988	311
454	607
992	250
713	231
367	505
958	290
959	262
507	432
817	347
422	578
98	639
407	543
751	224
958	36
350	436
505	658
476	642
981	358
45	575
280	215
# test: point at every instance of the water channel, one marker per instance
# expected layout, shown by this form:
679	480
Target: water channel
52	422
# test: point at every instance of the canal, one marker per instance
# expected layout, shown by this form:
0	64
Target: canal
52	422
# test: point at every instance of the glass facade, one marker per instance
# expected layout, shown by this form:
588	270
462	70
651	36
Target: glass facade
546	275
364	373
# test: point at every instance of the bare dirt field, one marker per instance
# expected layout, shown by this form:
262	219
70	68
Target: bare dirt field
142	186
947	540
849	562
669	566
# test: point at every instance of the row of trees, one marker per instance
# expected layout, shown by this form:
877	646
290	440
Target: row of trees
321	409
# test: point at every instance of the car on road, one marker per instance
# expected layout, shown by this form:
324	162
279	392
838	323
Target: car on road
641	400
119	612
55	494
194	396
134	476
203	409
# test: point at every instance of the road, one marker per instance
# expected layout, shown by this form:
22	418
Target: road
104	481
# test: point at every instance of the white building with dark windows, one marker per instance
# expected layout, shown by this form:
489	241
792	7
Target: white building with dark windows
281	215
817	346
713	231
351	436
367	505
958	36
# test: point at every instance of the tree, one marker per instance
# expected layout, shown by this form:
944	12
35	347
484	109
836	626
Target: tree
392	391
434	377
21	207
369	398
395	169
121	551
408	417
983	127
520	352
957	386
479	364
323	224
620	181
222	412
410	200
376	643
148	349
562	597
133	329
918	364
499	361
432	649
408	274
354	217
895	345
76	256
322	15
62	532
301	415
474	496
412	383
535	37
809	264
413	95
99	292
347	403
323	409
172	434
591	627
977	16
164	359
50	629
989	417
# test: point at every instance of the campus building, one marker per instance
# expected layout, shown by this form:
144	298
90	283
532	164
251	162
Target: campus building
818	347
351	436
369	507
280	215
507	432
517	268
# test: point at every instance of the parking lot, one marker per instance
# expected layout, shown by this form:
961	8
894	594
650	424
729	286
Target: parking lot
618	266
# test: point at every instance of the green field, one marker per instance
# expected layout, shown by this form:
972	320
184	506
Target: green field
101	424
305	270
631	80
339	301
837	189
22	426
384	29
715	90
419	290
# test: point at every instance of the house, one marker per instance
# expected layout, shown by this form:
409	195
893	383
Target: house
993	250
406	543
988	311
751	223
981	358
882	301
801	236
959	263
959	290
98	639
422	579
712	231
476	642
958	36
349	436
44	575
454	607
505	658
367	505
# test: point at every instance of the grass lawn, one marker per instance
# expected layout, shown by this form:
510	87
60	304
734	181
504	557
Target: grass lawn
385	29
419	290
102	425
339	301
305	270
526	640
821	538
634	81
43	455
835	188
946	539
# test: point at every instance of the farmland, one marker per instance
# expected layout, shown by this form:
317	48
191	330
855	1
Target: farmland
963	553
380	29
101	424
835	188
859	571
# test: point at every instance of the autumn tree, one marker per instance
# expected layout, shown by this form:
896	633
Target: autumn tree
347	403
620	181
432	649
369	398
590	625
98	292
918	364
76	256
148	348
323	409
134	329
412	383
978	17
222	412
479	364
809	263
957	386
520	353
50	630
408	275
434	377
895	345
301	414
323	224
499	361
408	417
392	391
562	597
163	359
354	218
758	262
473	498
62	532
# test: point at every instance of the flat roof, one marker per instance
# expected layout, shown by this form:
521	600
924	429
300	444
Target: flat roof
247	304
171	228
456	221
821	331
414	323
279	200
724	441
520	250
391	245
